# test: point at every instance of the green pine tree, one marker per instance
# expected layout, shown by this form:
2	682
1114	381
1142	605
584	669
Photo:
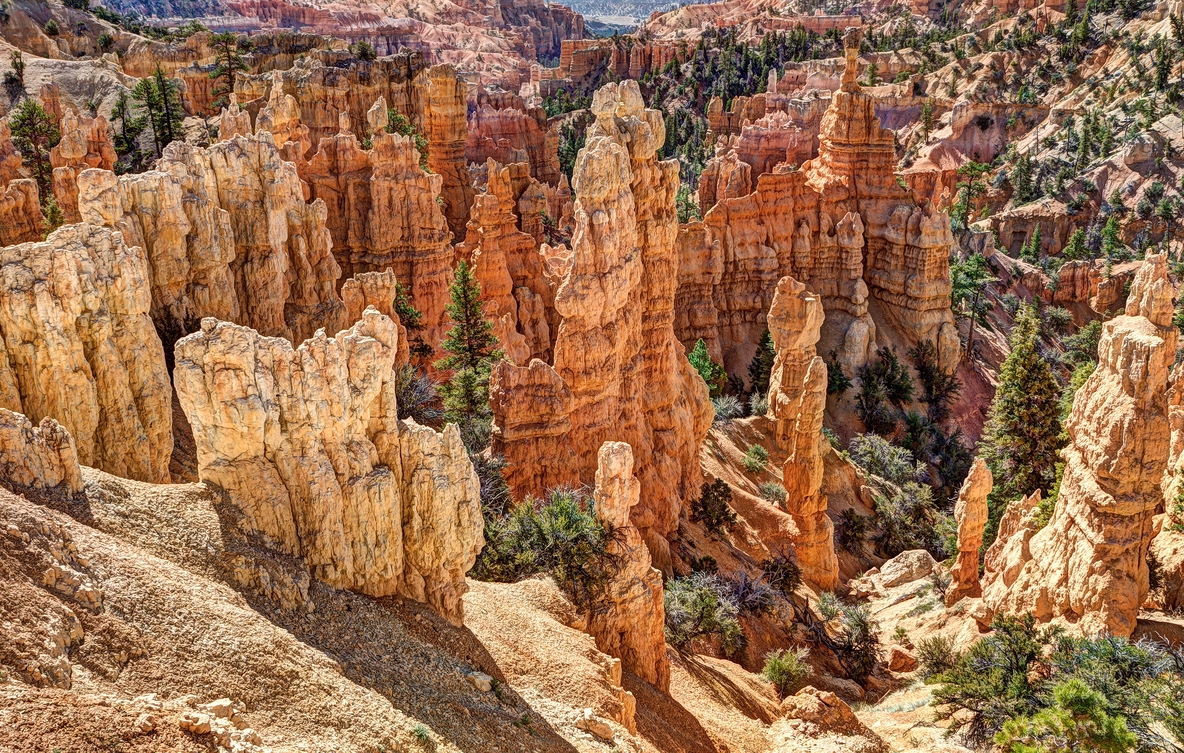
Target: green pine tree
228	62
1021	439
472	351
412	320
158	100
1075	249
34	134
762	364
712	372
1077	720
1112	244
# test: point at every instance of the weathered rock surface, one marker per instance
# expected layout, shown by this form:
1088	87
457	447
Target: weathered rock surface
841	225
797	400
503	128
228	234
383	212
20	205
814	714
618	372
970	512
630	625
376	289
307	442
1088	566
85	143
41	457
80	348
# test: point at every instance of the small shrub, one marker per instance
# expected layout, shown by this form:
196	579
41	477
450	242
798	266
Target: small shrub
756	459
105	41
877	456
900	635
704	564
783	572
365	51
773	493
727	407
560	537
836	381
421	733
787	670
936	655
832	438
852	530
51	28
758	404
713	507
416	397
750	594
697	607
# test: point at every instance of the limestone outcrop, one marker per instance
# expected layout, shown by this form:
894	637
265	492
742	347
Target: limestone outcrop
797	400
383	212
1089	564
227	233
970	512
41	457
79	347
308	444
618	373
630	625
843	226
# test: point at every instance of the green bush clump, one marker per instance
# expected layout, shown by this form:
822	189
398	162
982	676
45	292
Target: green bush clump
756	459
713	507
787	670
773	492
560	537
936	655
697	606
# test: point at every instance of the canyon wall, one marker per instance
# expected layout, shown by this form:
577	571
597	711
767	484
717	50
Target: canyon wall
618	373
308	444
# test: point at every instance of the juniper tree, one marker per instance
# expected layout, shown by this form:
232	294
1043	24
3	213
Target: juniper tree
1022	436
472	351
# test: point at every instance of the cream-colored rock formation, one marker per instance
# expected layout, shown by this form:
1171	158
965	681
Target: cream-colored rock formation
843	226
41	457
970	512
377	289
20	205
1088	566
629	625
308	444
618	373
227	233
79	347
797	400
85	143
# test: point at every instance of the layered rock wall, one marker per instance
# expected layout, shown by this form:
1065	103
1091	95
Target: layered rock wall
85	143
618	373
79	347
504	129
1088	566
308	443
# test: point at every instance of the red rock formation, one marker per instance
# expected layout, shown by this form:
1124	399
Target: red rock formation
797	400
383	212
618	373
970	512
843	226
502	128
1089	564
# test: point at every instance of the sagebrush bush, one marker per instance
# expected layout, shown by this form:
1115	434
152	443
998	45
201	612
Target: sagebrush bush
751	594
787	670
758	404
697	606
878	457
756	459
773	492
713	507
560	537
726	408
936	655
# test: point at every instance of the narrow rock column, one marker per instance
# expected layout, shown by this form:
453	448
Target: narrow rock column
797	399
971	514
631	625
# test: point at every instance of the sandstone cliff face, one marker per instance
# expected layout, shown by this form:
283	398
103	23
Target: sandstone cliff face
383	212
618	373
797	400
228	234
307	442
79	347
85	143
1089	564
41	457
842	226
970	512
631	625
501	127
327	84
510	270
